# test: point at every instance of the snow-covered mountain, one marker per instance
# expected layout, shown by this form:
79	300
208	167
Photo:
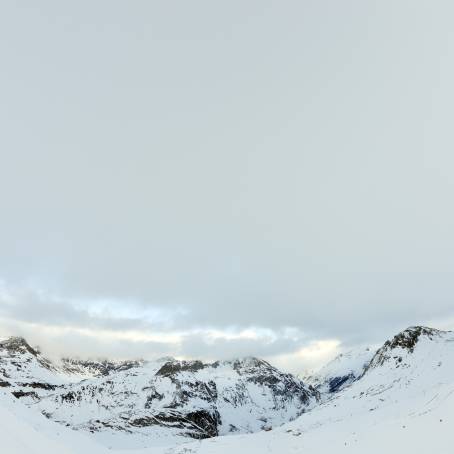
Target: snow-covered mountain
401	401
340	372
140	403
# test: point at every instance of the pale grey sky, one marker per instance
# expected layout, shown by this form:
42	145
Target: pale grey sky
216	179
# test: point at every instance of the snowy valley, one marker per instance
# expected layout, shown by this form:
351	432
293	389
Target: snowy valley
399	398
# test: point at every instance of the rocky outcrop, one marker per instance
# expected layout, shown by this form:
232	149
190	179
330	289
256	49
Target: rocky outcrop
401	344
171	368
196	424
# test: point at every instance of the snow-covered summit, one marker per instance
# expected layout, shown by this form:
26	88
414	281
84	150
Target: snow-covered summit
405	343
25	369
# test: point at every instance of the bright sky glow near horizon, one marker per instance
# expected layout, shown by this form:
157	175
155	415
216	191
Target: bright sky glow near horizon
211	180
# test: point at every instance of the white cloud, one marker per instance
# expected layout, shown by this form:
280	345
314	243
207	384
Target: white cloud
294	186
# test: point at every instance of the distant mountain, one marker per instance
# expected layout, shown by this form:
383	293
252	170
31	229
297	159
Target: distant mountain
138	400
341	372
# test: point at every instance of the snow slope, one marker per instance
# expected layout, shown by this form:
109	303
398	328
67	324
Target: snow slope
341	372
23	431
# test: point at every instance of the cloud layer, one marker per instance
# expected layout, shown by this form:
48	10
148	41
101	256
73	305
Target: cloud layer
219	180
95	329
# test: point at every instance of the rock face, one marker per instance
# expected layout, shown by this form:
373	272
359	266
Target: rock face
159	399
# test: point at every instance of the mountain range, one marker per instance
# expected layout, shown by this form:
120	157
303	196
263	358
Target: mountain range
142	403
397	398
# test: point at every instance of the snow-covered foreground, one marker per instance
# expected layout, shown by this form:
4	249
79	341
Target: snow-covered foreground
23	431
402	403
430	430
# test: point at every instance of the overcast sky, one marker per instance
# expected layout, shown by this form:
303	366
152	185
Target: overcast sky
217	179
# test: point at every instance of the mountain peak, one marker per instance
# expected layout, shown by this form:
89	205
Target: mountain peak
173	367
402	344
18	344
408	338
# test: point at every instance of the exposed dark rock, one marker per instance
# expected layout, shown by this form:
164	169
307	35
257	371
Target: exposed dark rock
152	396
336	383
174	367
408	339
71	397
198	424
20	393
38	385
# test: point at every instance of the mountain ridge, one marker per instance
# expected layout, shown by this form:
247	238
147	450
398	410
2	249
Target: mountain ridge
164	399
